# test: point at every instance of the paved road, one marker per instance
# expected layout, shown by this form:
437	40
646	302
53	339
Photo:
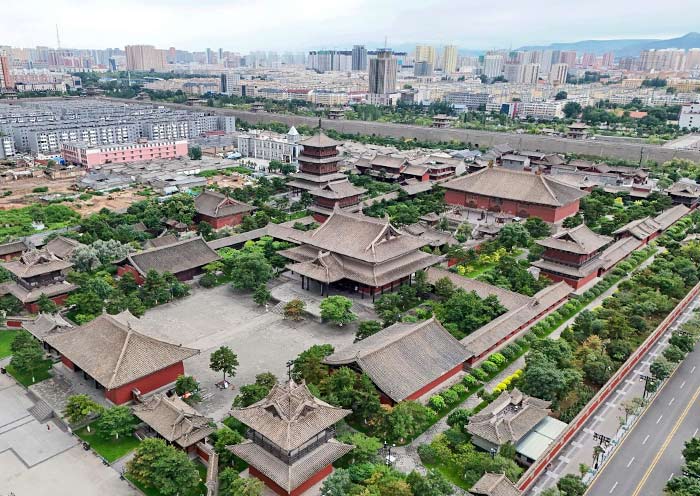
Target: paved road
651	452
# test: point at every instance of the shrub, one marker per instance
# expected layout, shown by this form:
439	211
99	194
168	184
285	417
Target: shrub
40	189
207	280
459	388
451	397
470	381
428	454
479	374
508	353
497	358
437	402
459	417
489	367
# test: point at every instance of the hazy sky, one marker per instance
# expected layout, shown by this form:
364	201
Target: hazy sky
244	25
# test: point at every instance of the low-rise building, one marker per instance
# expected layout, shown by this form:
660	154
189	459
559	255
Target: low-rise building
405	360
689	117
517	193
219	210
270	146
684	192
90	156
118	359
290	443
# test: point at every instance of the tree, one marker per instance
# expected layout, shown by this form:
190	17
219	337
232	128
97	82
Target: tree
562	95
79	407
250	270
294	309
444	287
261	295
46	305
226	437
337	309
224	360
405	420
339	483
674	354
162	467
366	448
252	393
537	227
660	369
232	484
356	392
195	153
432	484
514	234
188	385
571	485
21	341
309	366
28	359
420	283
115	421
572	109
367	328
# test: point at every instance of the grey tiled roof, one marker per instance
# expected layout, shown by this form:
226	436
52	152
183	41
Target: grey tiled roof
62	247
289	477
174	420
337	190
404	357
668	217
684	188
508	418
36	262
174	258
113	353
497	182
509	299
290	415
618	250
494	485
214	204
640	228
319	140
580	240
13	247
45	324
31	295
159	242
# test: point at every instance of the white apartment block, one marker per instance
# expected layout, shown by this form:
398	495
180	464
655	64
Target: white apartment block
540	110
558	73
270	146
329	98
7	147
690	116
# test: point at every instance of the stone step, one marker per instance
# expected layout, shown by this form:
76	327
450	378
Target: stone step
41	411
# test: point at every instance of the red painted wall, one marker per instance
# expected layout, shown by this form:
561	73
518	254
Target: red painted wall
574	283
67	363
13	323
546	213
128	268
10	256
34	307
146	384
436	382
219	222
315	479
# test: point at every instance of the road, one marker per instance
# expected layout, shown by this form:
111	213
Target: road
650	454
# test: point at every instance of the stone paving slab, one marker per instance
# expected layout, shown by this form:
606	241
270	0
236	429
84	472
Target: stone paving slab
34	443
14	404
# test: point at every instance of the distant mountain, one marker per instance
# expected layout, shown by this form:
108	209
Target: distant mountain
623	48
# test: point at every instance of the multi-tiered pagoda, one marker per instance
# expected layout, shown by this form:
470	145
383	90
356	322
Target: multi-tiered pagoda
319	175
290	445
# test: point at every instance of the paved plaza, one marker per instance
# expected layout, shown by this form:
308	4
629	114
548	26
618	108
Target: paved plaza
262	339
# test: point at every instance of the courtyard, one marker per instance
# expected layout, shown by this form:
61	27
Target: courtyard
262	338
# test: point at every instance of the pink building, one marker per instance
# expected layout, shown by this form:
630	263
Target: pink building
90	156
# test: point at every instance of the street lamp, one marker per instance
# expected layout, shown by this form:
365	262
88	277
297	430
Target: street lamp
493	453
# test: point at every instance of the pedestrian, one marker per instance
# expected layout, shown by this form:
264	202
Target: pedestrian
48	427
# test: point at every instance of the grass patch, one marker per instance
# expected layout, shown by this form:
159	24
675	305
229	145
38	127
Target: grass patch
6	338
40	374
200	490
109	449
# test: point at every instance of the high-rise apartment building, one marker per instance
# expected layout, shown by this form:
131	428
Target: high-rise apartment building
513	73
359	58
144	58
692	59
493	65
531	73
425	53
558	73
449	59
382	72
422	69
568	57
608	59
6	82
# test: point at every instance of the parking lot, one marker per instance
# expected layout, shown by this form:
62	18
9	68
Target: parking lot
262	339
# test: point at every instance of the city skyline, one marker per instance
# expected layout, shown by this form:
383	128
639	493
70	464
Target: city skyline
334	24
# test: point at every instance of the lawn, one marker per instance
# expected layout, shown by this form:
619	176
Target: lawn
41	374
6	338
200	490
109	449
